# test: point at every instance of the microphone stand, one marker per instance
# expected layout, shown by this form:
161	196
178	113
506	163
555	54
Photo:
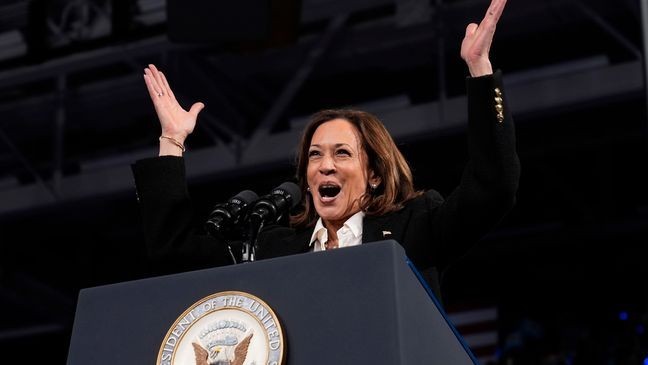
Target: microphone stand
231	253
216	233
249	246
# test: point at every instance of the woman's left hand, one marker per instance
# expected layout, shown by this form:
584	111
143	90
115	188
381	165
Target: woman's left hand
477	42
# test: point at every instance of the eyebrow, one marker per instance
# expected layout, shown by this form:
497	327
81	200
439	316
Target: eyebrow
335	145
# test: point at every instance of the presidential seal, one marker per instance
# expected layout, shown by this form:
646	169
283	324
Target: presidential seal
226	328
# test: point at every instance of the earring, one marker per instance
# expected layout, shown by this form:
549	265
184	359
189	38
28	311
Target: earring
308	189
374	186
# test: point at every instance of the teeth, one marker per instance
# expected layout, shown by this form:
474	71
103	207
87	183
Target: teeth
329	190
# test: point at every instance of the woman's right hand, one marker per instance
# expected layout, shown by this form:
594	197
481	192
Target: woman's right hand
176	122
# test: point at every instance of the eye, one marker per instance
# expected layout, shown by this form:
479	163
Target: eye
343	152
313	153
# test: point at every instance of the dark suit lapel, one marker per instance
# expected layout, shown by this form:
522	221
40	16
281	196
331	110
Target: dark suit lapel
387	227
302	240
282	241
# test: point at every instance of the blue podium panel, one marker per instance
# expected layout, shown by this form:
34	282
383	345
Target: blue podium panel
357	305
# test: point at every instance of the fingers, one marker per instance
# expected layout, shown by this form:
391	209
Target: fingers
151	85
159	82
156	78
166	86
495	11
485	31
196	108
154	88
471	29
483	35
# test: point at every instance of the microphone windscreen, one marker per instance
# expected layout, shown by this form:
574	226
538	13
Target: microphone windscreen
247	197
291	189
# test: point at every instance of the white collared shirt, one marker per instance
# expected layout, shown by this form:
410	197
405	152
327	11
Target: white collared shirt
349	235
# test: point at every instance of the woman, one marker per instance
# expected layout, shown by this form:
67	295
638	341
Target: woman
357	186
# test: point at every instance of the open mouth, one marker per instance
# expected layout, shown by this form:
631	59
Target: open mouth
329	190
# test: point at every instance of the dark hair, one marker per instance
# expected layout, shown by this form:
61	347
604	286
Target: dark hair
383	158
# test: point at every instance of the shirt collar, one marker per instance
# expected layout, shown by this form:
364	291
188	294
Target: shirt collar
319	233
354	223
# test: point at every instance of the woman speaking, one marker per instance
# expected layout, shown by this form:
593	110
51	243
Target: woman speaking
355	184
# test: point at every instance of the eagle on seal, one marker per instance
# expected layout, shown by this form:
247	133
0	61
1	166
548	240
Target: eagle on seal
240	353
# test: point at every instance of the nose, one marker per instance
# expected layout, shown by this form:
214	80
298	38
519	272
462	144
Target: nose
327	166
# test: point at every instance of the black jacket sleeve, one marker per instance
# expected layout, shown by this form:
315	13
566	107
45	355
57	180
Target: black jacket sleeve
173	241
489	183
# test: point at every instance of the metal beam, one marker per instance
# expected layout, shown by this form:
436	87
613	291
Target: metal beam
31	331
59	133
287	95
28	166
644	24
606	26
89	60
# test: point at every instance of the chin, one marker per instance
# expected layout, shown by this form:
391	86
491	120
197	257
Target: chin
328	215
333	215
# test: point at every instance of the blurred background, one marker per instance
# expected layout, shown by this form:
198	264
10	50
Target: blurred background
562	280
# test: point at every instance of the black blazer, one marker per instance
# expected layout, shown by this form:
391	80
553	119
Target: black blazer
433	231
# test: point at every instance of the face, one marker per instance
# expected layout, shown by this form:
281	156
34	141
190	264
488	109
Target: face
337	171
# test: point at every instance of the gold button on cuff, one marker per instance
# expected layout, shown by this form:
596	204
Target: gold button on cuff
499	105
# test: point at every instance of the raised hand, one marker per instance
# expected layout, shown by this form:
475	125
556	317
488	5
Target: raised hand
477	42
176	122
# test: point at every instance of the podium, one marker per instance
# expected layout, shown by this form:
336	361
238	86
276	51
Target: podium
359	305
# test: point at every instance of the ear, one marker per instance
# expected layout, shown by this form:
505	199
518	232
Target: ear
374	179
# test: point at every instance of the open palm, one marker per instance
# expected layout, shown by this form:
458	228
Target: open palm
477	42
175	121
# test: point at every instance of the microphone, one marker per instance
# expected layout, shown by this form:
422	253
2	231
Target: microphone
225	216
272	207
269	209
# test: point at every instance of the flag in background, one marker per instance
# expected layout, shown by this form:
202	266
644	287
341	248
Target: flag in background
478	327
